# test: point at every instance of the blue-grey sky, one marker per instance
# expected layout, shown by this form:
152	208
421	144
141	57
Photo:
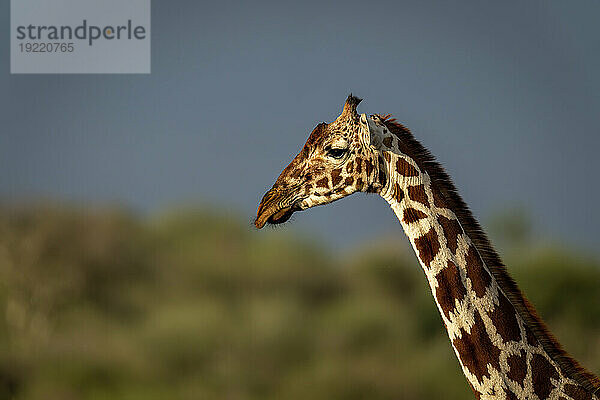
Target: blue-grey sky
505	94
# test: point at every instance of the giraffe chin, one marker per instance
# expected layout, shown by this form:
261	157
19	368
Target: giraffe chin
281	216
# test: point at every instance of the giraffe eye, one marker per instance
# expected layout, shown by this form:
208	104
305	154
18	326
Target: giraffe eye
336	153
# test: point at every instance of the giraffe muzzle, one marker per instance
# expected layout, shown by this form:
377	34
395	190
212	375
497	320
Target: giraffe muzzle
276	207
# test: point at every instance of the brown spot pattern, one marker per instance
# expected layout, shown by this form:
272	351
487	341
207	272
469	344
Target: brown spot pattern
349	181
504	318
510	395
438	199
577	392
405	169
476	351
451	229
387	142
411	215
398	193
531	340
480	278
369	166
359	183
517	367
349	166
542	372
323	182
409	145
450	288
417	193
382	172
336	177
296	173
428	247
359	165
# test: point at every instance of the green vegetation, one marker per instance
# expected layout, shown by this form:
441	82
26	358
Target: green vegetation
193	305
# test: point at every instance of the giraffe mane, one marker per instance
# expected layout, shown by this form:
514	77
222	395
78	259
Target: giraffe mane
442	181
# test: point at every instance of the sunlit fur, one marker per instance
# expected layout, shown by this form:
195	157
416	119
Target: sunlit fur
314	177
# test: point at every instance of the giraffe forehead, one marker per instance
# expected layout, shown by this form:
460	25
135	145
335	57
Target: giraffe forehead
339	133
333	138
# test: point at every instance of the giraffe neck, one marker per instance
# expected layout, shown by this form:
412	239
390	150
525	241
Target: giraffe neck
499	354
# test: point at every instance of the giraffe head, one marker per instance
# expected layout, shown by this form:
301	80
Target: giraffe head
336	161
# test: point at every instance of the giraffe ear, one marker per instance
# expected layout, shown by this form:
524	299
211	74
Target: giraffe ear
350	106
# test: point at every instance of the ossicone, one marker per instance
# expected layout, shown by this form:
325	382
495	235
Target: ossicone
350	106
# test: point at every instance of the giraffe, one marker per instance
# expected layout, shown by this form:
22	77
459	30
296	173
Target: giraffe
502	345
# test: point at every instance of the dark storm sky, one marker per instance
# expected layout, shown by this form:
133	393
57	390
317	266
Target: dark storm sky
505	94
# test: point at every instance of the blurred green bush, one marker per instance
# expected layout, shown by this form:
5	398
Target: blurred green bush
105	304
